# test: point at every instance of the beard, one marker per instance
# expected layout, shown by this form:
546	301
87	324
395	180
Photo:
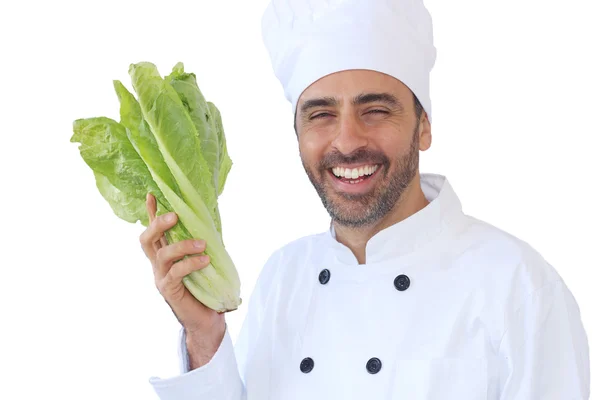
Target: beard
361	210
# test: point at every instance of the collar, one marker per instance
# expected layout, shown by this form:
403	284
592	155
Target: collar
443	213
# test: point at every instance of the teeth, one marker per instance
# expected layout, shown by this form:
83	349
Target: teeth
355	172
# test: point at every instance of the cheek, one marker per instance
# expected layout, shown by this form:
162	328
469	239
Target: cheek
395	142
394	147
312	147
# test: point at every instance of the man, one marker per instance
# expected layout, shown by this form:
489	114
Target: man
405	297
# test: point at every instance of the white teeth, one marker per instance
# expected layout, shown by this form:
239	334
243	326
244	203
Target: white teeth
354	173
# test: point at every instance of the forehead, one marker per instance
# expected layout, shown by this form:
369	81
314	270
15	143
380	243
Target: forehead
348	84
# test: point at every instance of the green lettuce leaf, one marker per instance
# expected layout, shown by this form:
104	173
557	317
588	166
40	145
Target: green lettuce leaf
128	208
191	97
225	162
141	138
176	138
106	149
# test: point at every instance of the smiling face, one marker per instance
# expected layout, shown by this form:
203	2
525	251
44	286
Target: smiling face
359	137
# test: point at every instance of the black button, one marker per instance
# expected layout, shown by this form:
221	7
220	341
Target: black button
324	276
374	365
307	365
402	282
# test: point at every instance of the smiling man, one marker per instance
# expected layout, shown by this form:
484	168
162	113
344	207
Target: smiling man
405	296
360	132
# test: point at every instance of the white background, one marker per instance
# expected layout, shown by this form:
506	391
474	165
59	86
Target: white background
516	105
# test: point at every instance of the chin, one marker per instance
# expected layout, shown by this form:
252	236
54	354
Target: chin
350	212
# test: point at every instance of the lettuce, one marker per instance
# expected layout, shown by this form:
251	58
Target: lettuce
169	142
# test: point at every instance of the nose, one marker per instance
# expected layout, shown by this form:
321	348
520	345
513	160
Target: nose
350	136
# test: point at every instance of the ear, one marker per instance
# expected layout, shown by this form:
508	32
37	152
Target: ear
424	132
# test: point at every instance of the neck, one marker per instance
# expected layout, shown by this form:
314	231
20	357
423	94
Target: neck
412	200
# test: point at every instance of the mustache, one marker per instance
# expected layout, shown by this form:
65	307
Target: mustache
360	156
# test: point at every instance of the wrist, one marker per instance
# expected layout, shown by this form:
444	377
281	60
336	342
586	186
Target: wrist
202	345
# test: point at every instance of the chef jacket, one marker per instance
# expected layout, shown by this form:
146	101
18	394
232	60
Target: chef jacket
446	307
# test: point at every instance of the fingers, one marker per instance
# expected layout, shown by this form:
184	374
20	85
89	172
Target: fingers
168	255
151	207
152	239
183	268
163	241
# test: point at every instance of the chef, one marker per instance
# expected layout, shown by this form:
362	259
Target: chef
405	296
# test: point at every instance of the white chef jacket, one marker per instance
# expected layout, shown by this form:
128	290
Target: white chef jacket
446	307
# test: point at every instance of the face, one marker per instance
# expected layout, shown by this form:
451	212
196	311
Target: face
359	139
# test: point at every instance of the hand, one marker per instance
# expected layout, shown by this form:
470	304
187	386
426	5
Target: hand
204	327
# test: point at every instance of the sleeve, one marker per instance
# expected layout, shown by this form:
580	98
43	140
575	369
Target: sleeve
544	349
223	377
217	380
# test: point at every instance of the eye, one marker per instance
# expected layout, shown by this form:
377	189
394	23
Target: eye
320	115
377	111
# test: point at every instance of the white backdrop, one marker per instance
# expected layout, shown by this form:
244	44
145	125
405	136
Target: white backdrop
516	130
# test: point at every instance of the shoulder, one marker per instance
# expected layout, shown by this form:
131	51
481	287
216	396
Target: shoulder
512	278
503	259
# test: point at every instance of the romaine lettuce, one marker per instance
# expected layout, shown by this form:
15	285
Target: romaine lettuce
169	142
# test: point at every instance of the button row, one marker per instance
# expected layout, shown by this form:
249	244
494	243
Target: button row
373	365
402	282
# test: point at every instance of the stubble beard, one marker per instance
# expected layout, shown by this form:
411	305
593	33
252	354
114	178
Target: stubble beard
362	210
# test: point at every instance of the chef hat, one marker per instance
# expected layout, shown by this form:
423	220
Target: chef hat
309	39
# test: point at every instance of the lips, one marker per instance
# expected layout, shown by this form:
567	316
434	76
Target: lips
355	172
361	184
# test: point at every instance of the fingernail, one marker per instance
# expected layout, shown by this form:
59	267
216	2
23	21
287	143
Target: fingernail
198	243
204	258
170	217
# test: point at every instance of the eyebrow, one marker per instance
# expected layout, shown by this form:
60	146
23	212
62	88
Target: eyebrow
361	99
386	98
318	102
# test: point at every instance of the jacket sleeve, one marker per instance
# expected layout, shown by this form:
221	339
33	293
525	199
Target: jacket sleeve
544	348
219	379
223	377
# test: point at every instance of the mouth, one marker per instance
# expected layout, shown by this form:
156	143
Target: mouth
356	179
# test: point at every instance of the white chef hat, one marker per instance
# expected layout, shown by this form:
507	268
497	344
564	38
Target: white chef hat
309	39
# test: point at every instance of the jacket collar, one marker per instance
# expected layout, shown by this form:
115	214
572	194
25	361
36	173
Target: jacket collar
444	212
